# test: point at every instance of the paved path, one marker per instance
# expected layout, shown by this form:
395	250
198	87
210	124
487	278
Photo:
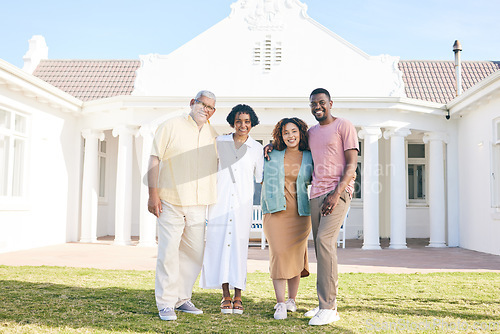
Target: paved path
418	258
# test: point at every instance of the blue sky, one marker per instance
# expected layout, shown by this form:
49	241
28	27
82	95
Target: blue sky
111	29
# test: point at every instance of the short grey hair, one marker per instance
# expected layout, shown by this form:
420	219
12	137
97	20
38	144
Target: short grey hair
205	93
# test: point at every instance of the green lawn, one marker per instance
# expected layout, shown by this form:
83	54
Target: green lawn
72	300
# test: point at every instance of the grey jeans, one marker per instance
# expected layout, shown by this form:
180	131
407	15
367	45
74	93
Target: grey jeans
325	232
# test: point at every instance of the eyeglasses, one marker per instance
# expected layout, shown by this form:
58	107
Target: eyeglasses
205	106
321	103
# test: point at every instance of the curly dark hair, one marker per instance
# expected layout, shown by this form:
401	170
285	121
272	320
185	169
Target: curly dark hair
278	142
242	109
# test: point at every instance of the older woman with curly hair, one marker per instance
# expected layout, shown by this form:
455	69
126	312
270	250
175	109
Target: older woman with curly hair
285	203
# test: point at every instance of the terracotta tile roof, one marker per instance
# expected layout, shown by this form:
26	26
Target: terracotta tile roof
435	80
89	79
94	79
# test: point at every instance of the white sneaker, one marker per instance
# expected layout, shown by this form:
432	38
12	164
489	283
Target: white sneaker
324	317
280	313
189	307
167	313
290	305
311	313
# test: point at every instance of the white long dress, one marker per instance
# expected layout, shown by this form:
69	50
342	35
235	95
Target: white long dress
229	220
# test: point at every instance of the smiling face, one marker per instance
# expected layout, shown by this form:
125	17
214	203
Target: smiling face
320	107
291	136
202	109
242	124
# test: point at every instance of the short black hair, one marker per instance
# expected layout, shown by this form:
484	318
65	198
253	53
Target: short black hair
242	109
320	91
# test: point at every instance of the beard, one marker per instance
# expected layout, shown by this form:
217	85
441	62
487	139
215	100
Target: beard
321	118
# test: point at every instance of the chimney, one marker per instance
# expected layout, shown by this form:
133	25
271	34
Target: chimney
457	48
37	51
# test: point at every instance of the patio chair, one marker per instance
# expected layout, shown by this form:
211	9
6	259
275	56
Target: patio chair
257	225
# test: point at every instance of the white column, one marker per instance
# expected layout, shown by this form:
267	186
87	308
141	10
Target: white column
436	192
398	187
90	185
147	223
123	206
371	187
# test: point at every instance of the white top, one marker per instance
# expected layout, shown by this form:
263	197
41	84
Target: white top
229	220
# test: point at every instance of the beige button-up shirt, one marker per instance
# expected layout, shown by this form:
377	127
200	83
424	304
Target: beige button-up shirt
188	162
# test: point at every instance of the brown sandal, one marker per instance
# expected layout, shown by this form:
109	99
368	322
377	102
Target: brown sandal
237	305
226	305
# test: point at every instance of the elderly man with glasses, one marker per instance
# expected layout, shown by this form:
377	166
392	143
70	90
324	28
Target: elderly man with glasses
182	182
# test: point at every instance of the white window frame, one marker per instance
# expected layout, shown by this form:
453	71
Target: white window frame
9	200
359	200
102	150
417	161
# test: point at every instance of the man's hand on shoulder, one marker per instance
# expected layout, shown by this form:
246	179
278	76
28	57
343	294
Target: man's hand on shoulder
268	149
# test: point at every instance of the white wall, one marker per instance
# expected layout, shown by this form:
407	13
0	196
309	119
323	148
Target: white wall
50	214
354	224
136	186
106	211
384	159
479	226
417	222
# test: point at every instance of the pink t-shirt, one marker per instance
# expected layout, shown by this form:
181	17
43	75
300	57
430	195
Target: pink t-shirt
327	144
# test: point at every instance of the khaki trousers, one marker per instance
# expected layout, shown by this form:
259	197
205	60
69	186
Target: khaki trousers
325	232
181	237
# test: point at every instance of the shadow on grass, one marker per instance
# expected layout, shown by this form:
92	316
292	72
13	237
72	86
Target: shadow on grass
121	309
389	308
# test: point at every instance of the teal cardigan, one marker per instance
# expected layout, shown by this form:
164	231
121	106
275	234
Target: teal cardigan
273	186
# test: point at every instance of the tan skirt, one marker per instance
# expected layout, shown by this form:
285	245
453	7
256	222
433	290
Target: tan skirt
286	231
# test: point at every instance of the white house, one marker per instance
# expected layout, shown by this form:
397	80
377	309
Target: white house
75	135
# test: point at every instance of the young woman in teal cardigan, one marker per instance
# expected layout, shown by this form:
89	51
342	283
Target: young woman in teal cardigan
285	205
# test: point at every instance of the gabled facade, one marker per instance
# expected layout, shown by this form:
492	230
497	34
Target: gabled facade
268	49
76	154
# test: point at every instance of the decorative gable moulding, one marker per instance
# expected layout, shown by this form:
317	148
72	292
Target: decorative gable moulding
264	15
267	53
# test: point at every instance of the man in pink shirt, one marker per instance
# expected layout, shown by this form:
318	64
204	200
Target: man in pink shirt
334	147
